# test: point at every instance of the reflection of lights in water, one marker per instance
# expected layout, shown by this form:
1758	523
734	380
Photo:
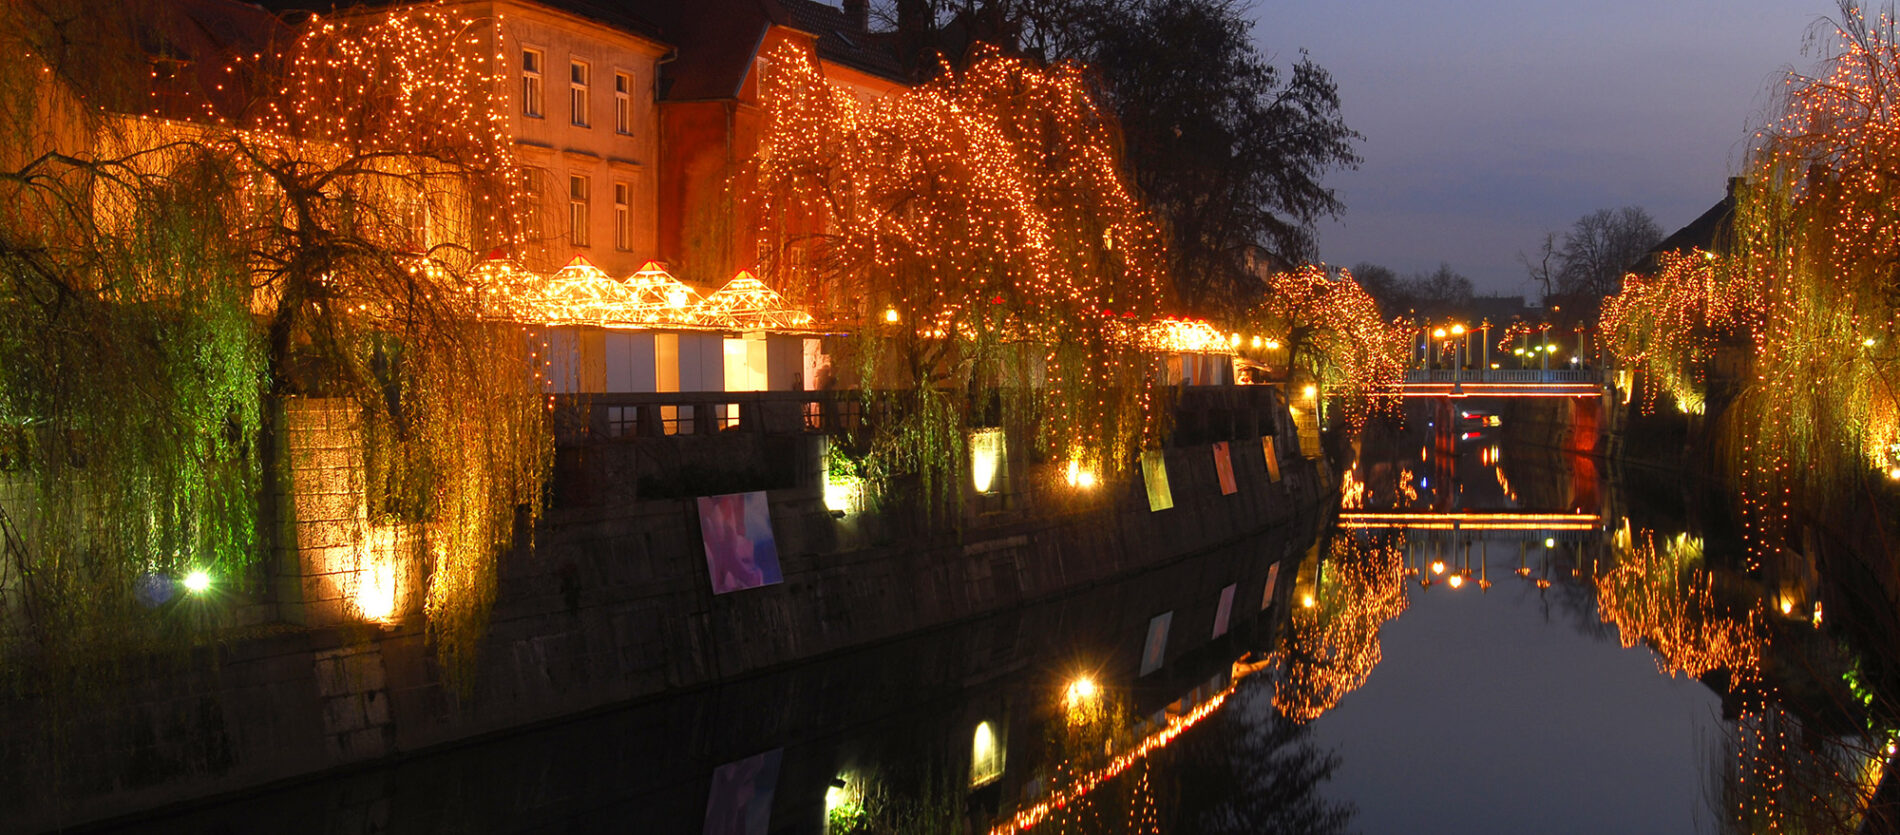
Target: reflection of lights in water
1666	599
1352	491
1438	566
1084	783
1456	581
1330	650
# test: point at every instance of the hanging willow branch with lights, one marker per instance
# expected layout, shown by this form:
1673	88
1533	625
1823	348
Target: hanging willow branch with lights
994	254
168	282
1671	323
1332	336
1819	233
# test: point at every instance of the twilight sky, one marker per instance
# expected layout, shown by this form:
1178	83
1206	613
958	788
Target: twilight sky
1490	121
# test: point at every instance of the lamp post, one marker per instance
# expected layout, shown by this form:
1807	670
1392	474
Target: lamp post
1486	365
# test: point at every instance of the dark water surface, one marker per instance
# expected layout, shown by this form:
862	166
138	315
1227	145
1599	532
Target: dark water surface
1615	664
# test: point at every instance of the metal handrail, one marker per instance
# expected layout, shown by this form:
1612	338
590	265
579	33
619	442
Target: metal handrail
1513	375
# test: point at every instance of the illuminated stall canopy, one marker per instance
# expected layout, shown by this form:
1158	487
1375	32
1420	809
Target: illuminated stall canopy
582	294
745	303
659	297
1186	336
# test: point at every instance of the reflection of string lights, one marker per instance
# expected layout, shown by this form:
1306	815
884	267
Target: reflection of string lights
1083	784
1330	649
1666	599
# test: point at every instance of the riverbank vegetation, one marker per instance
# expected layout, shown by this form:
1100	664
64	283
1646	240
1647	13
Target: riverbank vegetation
174	272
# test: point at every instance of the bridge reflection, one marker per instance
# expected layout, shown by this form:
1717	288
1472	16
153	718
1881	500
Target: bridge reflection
1456	520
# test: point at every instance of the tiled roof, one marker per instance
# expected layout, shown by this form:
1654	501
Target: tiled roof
717	40
840	42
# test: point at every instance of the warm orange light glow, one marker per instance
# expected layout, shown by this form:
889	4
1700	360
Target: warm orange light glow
1080	691
1456	581
1084	783
1438	566
1080	476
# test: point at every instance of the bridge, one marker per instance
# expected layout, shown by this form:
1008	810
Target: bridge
1529	382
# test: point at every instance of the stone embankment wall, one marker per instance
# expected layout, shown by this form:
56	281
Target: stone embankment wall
614	604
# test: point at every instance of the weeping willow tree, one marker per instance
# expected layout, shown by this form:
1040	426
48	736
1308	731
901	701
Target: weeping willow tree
299	225
1669	324
1817	234
1332	336
998	266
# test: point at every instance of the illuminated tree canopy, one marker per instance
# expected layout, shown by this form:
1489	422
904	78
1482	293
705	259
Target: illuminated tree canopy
1670	323
1334	336
989	242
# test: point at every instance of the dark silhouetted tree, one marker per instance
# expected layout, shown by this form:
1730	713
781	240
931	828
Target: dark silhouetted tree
1600	247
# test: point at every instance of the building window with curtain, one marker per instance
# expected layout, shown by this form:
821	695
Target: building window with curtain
577	92
623	216
623	103
577	209
531	69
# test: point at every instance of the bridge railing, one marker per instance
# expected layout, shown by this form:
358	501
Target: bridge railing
1526	375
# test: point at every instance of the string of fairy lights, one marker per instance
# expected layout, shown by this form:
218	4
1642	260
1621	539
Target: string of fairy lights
1332	329
1672	322
1806	286
1332	642
985	207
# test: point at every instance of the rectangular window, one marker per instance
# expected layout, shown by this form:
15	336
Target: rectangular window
623	216
531	68
577	91
577	209
623	421
623	103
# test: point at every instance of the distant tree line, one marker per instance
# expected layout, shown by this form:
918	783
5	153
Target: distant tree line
1431	294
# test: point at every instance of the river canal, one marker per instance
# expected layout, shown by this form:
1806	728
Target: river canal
1497	635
